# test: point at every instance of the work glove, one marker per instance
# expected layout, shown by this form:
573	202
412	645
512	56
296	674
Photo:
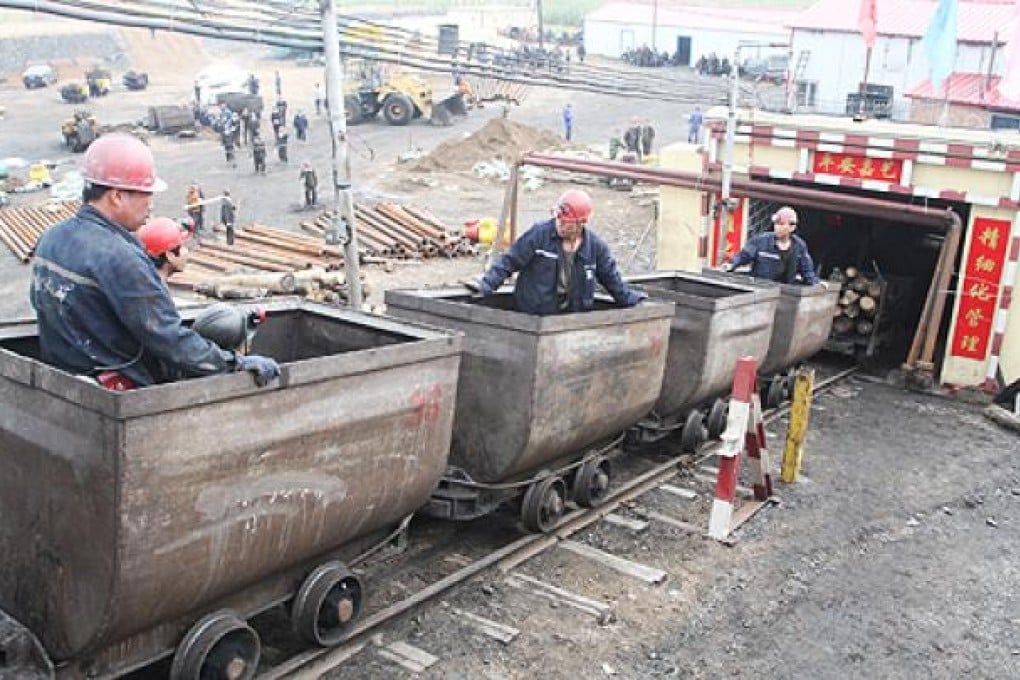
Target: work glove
264	368
726	267
474	287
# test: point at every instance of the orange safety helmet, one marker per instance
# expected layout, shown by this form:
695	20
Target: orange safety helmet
574	206
122	161
160	235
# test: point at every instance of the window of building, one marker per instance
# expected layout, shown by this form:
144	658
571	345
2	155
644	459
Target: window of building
1002	121
807	92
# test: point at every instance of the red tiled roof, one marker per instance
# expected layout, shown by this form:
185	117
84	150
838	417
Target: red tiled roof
969	89
976	21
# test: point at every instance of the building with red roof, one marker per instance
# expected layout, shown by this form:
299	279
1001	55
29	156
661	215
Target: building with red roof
832	56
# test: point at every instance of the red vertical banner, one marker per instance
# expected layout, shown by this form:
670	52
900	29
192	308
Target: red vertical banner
733	236
980	293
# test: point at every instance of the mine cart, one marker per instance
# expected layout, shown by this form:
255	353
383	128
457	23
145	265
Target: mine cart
541	398
715	324
134	524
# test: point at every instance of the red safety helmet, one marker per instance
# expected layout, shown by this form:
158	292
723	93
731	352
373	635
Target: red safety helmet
161	235
122	161
574	206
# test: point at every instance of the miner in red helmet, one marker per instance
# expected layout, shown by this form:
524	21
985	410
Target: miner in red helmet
102	309
559	262
163	240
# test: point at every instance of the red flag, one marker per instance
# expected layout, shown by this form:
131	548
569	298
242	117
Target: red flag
867	22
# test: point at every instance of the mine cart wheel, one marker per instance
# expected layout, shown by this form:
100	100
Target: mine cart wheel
693	434
777	388
716	419
327	604
543	504
221	645
591	483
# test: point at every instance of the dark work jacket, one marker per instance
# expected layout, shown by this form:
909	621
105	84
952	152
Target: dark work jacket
765	259
537	254
102	306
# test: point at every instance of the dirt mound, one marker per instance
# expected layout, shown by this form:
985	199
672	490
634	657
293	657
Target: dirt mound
166	56
499	139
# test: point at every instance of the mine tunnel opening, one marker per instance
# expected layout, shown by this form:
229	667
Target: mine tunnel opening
884	267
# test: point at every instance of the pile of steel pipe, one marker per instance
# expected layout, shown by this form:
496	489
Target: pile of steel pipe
395	231
22	226
491	89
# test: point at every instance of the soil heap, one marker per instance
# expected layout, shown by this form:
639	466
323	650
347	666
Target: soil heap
499	139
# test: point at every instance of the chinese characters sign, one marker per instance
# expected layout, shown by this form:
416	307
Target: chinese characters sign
858	167
732	236
980	293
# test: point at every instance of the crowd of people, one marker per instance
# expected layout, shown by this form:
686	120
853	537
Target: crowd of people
712	65
646	56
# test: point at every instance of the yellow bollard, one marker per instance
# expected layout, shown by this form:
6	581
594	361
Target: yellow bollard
800	415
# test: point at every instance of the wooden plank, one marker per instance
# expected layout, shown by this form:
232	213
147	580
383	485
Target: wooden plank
602	611
494	629
626	522
650	575
686	494
674	522
410	657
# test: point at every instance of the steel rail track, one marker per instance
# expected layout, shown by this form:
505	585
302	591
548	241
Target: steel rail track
313	663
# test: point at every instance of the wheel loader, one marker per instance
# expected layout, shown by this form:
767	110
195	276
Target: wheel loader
79	131
400	99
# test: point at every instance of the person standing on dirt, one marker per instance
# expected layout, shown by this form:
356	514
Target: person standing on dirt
301	125
580	52
778	255
276	120
258	154
318	99
278	82
615	144
228	213
102	309
228	149
559	262
245	125
632	138
281	147
194	204
568	121
647	137
310	183
694	123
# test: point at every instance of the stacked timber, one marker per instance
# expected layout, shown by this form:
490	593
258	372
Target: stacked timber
264	261
860	300
22	226
389	230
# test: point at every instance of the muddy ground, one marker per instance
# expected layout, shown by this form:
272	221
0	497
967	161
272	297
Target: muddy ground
895	556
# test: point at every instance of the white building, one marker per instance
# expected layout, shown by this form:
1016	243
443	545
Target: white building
617	27
830	52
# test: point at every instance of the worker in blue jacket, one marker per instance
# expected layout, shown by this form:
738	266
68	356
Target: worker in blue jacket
559	262
778	255
102	309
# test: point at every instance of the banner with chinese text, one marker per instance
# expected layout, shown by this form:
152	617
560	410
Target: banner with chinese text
858	167
733	236
980	292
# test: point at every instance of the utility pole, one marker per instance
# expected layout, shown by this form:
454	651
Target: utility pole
728	204
541	25
342	229
655	24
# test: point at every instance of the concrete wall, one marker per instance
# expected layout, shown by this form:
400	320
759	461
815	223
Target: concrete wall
929	112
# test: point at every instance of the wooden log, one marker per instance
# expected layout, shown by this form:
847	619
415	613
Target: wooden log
283	283
837	276
865	327
851	273
875	289
852	311
842	325
848	298
867	305
860	284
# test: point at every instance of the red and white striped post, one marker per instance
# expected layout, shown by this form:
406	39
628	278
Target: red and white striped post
745	432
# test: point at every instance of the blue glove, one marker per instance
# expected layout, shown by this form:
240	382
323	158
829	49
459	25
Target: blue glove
264	368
